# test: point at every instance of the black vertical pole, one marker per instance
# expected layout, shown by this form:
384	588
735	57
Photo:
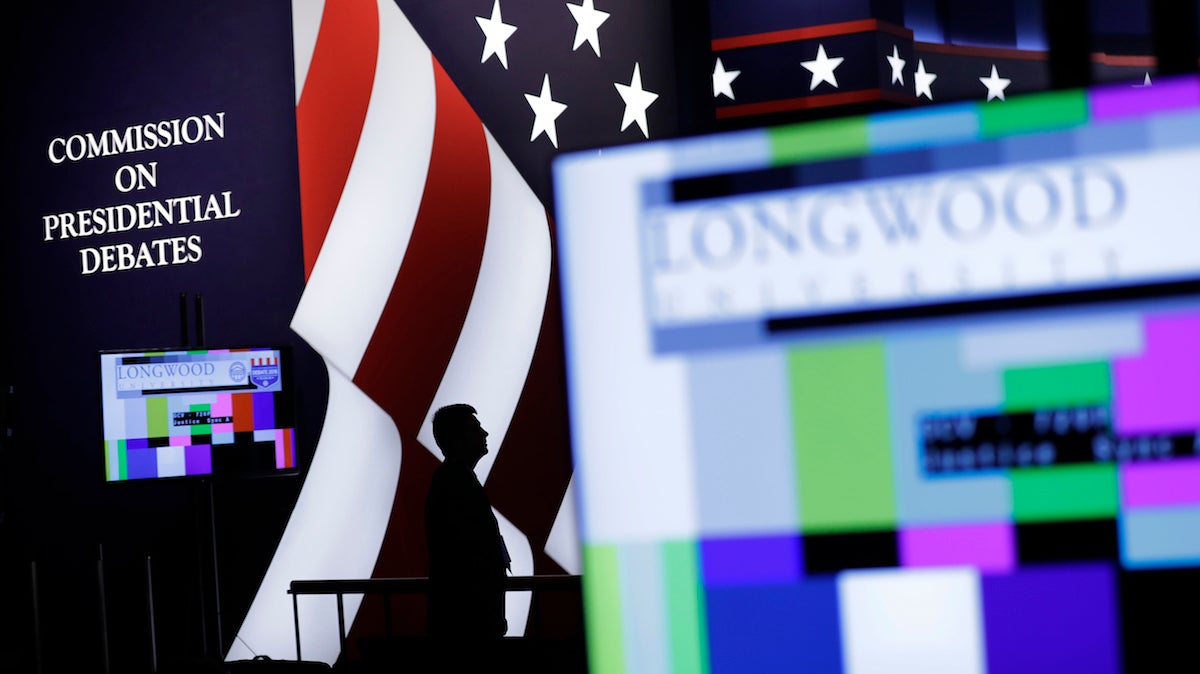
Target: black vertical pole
212	513
296	619
184	337
37	619
341	614
1069	32
150	607
204	645
694	62
199	320
103	609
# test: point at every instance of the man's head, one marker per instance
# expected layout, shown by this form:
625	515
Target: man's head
459	434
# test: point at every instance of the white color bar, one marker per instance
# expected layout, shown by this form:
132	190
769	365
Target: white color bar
629	417
927	621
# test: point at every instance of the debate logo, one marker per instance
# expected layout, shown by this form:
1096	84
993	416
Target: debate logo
264	372
237	372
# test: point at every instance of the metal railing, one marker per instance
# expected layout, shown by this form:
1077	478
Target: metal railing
390	586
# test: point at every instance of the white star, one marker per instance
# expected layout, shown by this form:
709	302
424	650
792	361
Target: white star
923	79
636	100
995	84
822	68
587	20
545	111
897	65
495	33
723	80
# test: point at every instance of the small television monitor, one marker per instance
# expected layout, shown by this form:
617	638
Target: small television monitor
195	412
907	393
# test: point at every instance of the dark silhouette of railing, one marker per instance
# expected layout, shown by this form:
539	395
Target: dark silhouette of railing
390	586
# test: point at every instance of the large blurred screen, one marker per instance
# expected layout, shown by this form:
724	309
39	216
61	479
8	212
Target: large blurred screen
917	392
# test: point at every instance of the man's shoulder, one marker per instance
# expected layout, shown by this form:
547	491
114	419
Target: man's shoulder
448	476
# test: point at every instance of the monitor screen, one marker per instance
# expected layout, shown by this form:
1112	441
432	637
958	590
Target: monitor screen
915	392
178	413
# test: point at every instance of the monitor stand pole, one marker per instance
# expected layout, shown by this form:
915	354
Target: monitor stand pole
212	521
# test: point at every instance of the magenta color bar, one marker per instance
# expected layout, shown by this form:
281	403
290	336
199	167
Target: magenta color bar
1159	391
180	440
987	547
1124	101
1175	482
222	407
280	446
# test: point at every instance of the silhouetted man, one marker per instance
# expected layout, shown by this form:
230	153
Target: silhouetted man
467	558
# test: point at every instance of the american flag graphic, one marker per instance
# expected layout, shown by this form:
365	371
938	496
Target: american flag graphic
555	76
429	282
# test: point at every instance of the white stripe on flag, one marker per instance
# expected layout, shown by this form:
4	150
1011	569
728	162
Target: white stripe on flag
353	275
335	530
562	545
347	291
516	604
306	23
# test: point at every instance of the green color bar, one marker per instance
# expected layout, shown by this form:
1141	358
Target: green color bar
842	438
201	429
1068	385
602	604
158	421
686	612
122	461
108	462
1028	114
1085	491
819	140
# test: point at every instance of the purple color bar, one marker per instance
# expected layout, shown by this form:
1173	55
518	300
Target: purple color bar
1052	619
264	411
137	443
197	459
1159	392
1174	482
750	561
141	463
1124	101
990	548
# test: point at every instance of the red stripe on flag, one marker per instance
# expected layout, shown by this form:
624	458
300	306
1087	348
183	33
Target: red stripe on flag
331	112
810	33
418	330
809	102
981	52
